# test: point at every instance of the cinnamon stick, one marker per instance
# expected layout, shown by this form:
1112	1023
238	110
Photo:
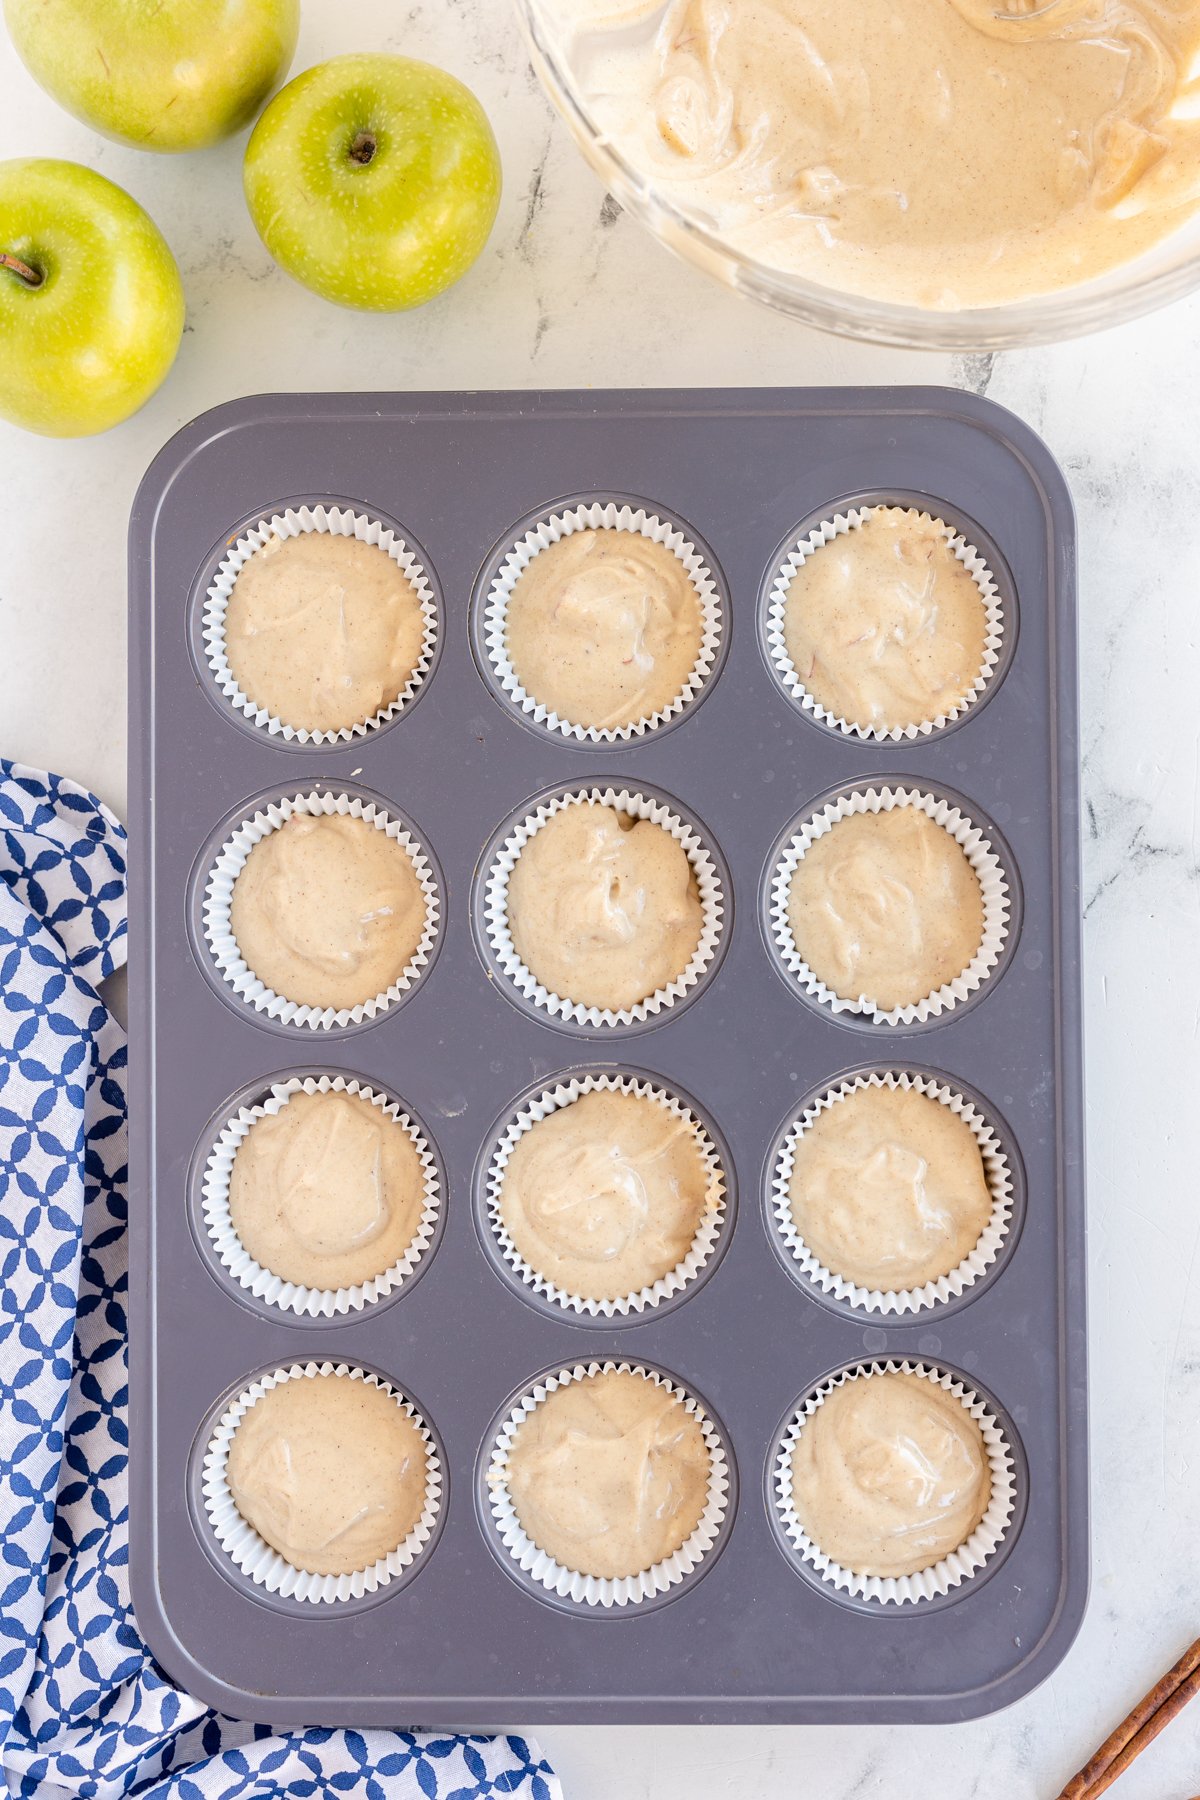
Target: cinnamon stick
1151	1715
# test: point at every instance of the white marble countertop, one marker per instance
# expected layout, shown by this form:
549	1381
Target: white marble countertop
570	292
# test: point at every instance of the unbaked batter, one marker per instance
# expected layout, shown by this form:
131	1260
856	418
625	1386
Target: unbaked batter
322	631
328	1191
885	626
328	910
934	152
603	907
604	1196
609	1475
890	1475
888	1188
886	907
330	1471
604	628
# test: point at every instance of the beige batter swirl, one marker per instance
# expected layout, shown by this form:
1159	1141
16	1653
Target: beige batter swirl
603	907
327	1192
888	1188
605	1196
890	1475
609	1475
322	631
604	627
328	910
886	907
885	626
330	1471
929	152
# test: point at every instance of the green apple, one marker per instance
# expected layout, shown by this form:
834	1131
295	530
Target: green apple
158	74
374	180
91	304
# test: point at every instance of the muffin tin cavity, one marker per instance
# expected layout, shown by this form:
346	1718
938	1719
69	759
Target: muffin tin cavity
984	850
1002	1170
711	880
972	549
228	854
952	1575
214	587
553	1099
615	516
248	1561
536	1569
534	967
216	1236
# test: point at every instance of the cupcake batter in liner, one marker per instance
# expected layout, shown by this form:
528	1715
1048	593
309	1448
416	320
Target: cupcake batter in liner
336	521
708	1234
254	1556
708	883
595	1590
218	895
900	1300
952	1570
989	870
273	1290
608	516
840	525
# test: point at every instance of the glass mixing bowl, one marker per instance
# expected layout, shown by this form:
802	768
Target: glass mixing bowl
1169	270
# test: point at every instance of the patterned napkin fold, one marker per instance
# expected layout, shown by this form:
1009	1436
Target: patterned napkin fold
83	1708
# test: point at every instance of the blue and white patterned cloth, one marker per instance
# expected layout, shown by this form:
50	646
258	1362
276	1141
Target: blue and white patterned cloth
83	1709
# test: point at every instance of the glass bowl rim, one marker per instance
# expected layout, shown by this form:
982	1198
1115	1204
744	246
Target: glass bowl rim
1041	319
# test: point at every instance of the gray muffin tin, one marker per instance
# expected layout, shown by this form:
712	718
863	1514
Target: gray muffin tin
463	1640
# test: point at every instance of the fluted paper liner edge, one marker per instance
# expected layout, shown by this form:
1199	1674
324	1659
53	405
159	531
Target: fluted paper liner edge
254	1556
839	525
333	521
553	1098
263	1284
218	897
941	1577
607	516
597	1590
971	839
708	884
987	1247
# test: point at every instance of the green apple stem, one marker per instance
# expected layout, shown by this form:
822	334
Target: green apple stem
31	277
363	147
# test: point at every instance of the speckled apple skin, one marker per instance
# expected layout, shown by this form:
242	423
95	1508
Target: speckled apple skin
158	74
390	233
89	344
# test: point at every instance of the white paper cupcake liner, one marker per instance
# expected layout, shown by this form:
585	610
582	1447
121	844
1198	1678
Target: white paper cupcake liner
708	883
838	526
273	1290
607	516
254	1556
336	521
947	1287
218	897
993	883
708	1232
597	1590
952	1570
